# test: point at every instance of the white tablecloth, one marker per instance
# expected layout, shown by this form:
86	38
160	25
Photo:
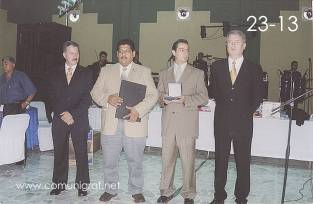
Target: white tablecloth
94	115
269	136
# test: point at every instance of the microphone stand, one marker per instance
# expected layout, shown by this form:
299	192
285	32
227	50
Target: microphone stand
287	154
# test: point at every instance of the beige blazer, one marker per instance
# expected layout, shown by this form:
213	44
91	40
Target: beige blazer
183	119
108	83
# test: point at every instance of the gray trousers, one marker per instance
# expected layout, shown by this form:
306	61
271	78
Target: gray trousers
171	145
134	148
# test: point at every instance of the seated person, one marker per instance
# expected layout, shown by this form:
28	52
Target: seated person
16	89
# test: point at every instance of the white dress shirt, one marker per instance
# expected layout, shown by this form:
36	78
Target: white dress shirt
179	70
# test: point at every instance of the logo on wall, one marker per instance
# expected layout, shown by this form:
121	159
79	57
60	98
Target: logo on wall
183	13
74	16
307	14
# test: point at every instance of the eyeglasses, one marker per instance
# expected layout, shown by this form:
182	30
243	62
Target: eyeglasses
127	51
182	50
236	43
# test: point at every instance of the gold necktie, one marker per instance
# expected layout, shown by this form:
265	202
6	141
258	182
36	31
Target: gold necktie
69	74
233	73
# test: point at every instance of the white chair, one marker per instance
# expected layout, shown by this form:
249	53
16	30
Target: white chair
12	138
94	115
44	128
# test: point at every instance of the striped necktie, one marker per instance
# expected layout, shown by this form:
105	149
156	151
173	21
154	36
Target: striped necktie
233	73
69	74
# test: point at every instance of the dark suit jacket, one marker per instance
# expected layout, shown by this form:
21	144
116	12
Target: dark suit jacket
235	104
74	97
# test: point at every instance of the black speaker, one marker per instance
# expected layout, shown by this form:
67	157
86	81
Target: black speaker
226	28
203	32
265	85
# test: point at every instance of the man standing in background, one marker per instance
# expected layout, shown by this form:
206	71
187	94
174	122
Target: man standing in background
203	65
96	66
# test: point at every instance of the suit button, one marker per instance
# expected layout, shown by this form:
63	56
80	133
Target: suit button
232	88
231	100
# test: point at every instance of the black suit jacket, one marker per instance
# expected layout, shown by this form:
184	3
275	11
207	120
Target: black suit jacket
235	104
74	97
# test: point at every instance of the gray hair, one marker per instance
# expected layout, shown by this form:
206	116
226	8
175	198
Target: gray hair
69	43
237	32
9	58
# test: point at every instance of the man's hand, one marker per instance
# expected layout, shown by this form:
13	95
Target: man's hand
180	99
24	105
133	115
166	101
67	118
115	100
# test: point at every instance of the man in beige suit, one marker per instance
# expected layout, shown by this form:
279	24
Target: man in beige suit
127	134
180	122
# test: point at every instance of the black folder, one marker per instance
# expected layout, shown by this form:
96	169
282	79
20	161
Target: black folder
132	93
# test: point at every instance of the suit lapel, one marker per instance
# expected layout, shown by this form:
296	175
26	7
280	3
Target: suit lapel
241	72
185	74
225	72
171	75
132	72
115	78
62	76
75	75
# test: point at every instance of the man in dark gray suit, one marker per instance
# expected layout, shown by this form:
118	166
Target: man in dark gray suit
235	83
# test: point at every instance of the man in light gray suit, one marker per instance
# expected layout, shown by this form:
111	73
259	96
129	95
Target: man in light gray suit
180	122
127	134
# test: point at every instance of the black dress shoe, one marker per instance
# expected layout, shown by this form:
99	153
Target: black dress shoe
215	201
82	192
139	198
188	201
56	191
241	202
22	162
164	199
106	197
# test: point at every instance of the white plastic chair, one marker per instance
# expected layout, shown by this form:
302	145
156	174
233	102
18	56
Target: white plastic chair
12	138
44	128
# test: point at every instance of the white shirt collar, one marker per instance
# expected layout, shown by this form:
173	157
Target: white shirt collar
128	68
238	64
73	68
178	70
182	66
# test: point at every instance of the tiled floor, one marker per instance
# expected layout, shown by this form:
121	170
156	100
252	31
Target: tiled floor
27	185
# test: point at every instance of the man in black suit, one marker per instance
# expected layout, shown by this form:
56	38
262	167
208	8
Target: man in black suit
96	66
70	98
235	83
